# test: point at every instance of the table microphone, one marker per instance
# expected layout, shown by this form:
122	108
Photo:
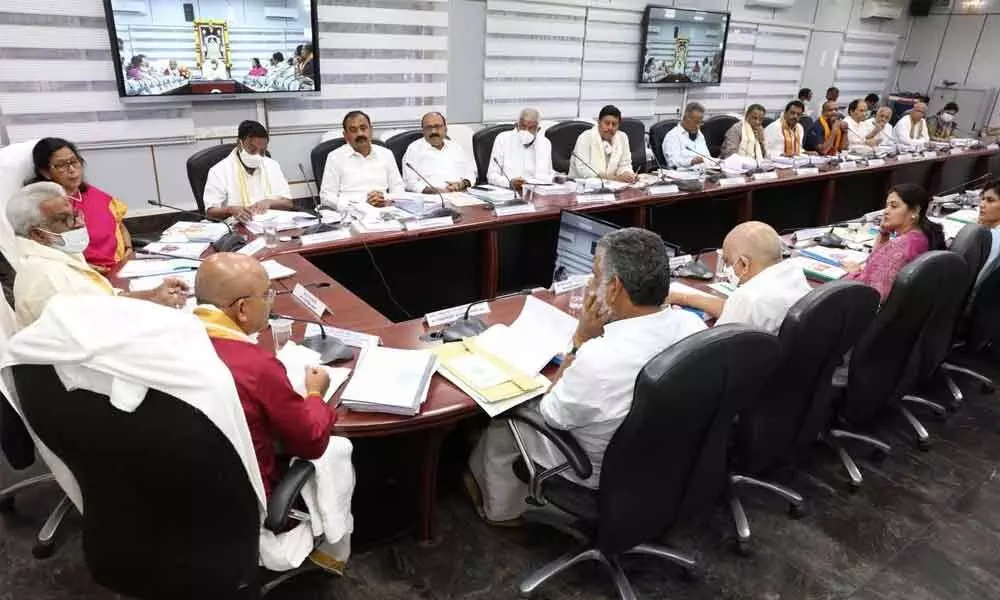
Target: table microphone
229	242
329	348
320	227
473	326
696	268
442	211
510	183
604	186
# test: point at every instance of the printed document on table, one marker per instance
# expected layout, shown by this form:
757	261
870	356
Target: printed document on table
296	358
538	334
391	377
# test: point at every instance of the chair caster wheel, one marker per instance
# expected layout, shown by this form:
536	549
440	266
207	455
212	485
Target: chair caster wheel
744	547
924	445
691	574
878	456
853	487
988	388
941	417
797	511
43	551
7	505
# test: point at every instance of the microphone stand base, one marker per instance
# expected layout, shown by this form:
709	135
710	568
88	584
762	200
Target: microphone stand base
442	212
229	243
462	329
329	348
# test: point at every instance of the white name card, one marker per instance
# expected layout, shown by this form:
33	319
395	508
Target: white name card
848	164
569	284
957	150
355	339
807	171
657	190
731	181
592	198
513	209
904	157
253	247
450	315
314	304
766	176
876	162
418	224
930	154
326	236
993	147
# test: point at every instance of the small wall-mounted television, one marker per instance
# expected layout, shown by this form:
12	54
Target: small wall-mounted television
682	47
213	49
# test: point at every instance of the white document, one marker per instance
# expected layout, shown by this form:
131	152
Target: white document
142	284
722	288
495	408
390	380
477	370
966	215
178	249
276	270
206	231
355	339
951	228
146	268
538	334
461	199
282	215
253	247
296	358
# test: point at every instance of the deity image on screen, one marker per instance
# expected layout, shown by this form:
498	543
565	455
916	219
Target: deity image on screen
211	40
680	55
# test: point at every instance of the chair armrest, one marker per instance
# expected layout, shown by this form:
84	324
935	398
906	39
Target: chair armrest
576	458
282	500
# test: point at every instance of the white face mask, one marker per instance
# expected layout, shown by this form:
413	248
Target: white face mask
252	161
731	277
525	137
74	241
947	117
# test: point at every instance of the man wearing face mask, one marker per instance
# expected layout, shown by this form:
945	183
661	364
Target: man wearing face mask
877	132
247	182
442	161
520	154
359	172
765	286
51	238
942	125
621	328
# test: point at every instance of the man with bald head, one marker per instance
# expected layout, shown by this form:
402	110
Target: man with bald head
911	130
234	301
766	286
445	164
520	154
828	135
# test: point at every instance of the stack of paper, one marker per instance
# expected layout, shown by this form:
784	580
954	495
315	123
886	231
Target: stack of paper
390	380
855	236
834	256
179	249
146	268
276	270
818	270
966	215
950	227
142	284
205	231
297	358
493	194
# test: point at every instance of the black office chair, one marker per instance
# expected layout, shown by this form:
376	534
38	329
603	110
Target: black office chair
657	133
400	142
482	147
563	136
981	326
170	512
636	132
319	154
767	121
198	166
666	462
806	122
795	407
714	130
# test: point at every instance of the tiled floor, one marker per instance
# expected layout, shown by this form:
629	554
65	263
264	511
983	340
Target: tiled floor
925	526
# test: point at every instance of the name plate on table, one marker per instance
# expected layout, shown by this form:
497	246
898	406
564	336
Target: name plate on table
807	171
450	315
657	190
993	147
930	154
314	304
904	157
848	165
957	151
591	198
513	209
766	176
355	339
731	181
419	224
327	236
876	162
568	285
253	247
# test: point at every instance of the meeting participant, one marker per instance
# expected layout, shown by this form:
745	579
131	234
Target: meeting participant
857	113
134	70
828	135
905	234
746	137
911	130
941	126
59	161
684	145
871	101
806	97
50	238
445	164
359	171
307	66
833	95
989	217
277	59
256	69
605	148
877	132
521	154
766	286
783	137
247	182
621	328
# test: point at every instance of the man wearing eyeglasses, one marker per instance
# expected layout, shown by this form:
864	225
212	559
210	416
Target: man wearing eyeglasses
445	164
51	237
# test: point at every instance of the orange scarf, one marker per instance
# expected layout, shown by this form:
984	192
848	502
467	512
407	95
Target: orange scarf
218	325
793	141
835	148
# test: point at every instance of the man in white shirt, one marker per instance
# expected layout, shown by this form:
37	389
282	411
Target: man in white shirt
911	131
520	154
51	238
766	286
746	137
877	132
247	182
684	145
359	172
857	112
605	149
622	327
445	164
783	137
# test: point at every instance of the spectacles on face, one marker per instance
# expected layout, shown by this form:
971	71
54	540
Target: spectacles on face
65	166
268	297
68	220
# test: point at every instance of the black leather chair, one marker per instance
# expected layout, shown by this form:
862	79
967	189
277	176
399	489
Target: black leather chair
714	130
666	462
981	326
482	147
198	166
170	512
767	121
806	122
636	132
795	407
400	142
563	136
657	133
319	154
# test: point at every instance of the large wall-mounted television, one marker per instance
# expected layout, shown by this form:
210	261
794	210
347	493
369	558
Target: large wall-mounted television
213	49
682	47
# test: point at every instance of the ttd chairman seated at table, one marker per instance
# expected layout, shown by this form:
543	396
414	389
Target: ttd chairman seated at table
50	237
521	154
446	165
783	137
359	172
828	135
877	132
911	130
604	148
684	145
621	328
766	286
746	137
247	182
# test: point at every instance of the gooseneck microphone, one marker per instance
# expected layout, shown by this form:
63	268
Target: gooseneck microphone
329	348
320	227
229	242
470	327
604	186
442	211
510	183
